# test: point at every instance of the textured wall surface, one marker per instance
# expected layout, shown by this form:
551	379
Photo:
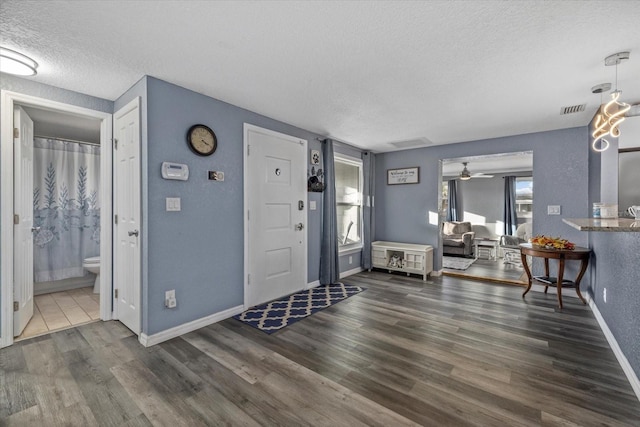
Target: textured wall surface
199	251
29	87
484	197
560	175
616	267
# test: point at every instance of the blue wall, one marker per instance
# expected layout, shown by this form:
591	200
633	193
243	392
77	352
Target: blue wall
199	251
560	175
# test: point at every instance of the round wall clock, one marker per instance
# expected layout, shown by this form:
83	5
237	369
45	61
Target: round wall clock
202	140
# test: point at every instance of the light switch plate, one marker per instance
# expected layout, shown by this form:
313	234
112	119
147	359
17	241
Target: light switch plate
312	205
553	210
173	204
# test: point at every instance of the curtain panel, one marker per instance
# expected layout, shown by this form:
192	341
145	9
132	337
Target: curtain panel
509	213
452	201
329	256
66	210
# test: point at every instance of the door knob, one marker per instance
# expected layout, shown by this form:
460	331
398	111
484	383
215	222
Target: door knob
134	233
299	226
35	229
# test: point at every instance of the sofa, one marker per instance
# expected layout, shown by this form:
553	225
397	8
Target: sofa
457	238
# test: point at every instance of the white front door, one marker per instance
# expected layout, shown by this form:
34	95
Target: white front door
127	280
23	220
275	195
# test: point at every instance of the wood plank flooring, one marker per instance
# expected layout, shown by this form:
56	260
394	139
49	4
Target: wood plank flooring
496	271
448	352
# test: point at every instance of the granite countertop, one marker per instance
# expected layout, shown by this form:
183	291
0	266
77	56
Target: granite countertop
604	224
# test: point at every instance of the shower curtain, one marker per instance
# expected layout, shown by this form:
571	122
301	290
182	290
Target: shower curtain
66	211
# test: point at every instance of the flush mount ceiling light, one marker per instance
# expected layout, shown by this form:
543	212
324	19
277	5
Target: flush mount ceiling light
465	175
13	62
611	114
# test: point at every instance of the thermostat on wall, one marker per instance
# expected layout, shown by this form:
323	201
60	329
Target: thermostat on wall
175	171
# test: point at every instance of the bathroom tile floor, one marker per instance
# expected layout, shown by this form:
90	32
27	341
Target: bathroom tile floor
60	310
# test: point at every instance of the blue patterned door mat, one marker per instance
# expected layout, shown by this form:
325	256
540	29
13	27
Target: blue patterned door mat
275	315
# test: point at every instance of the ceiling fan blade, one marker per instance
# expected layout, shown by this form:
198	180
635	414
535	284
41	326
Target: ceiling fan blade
481	175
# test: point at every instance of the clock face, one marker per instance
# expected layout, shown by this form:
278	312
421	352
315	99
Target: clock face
202	140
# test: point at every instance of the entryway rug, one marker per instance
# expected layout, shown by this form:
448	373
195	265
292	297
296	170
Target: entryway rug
457	263
275	315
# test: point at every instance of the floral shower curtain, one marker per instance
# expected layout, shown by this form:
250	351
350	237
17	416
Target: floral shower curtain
66	211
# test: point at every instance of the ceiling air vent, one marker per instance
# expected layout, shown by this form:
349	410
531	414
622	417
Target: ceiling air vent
572	109
412	143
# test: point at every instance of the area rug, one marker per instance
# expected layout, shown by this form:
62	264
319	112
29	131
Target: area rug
457	263
275	315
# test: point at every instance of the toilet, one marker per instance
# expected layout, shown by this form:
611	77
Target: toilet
92	265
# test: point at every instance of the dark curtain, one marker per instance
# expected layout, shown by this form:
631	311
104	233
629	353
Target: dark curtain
509	213
368	224
329	258
452	201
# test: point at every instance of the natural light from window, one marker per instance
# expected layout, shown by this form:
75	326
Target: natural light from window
524	196
349	201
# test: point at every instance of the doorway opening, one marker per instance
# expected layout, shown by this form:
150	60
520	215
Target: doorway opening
56	209
472	209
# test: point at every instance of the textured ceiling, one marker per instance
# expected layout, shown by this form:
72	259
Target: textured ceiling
367	73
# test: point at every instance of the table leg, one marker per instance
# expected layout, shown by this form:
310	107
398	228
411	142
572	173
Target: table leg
583	268
559	283
546	272
523	257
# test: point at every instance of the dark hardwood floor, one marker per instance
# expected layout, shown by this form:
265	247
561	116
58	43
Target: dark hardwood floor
404	352
495	271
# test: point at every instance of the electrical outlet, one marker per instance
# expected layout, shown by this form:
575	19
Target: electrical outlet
170	299
604	294
553	210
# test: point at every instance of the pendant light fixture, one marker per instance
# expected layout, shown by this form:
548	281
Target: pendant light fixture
13	62
608	119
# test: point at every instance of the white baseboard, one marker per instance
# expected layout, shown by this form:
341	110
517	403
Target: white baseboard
313	284
622	359
436	273
351	272
167	334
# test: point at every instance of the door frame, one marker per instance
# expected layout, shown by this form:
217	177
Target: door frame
247	188
7	101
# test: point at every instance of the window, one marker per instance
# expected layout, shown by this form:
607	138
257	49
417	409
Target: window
349	201
524	196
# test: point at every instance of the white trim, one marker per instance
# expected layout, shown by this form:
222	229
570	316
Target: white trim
351	272
350	251
167	334
622	359
7	101
131	105
246	188
436	273
313	284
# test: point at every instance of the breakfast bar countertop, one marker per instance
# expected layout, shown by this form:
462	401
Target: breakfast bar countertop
604	224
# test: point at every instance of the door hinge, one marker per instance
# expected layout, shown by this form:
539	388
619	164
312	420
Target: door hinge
16	219
248	149
115	293
248	279
248	215
115	219
16	133
16	306
115	143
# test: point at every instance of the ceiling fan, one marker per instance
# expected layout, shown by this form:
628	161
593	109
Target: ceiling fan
466	175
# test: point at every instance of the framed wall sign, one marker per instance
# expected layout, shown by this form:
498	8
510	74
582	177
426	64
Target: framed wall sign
403	176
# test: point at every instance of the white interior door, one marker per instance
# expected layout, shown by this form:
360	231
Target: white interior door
23	220
127	261
276	219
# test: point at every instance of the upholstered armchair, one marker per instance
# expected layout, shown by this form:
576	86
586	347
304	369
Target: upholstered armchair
457	238
510	245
